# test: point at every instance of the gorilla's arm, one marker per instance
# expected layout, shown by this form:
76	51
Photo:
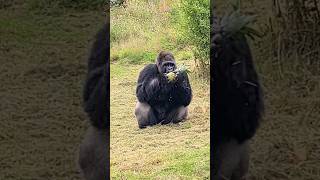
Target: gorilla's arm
95	98
182	90
95	89
148	84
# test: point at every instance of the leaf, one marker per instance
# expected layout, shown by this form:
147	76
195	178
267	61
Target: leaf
236	23
183	69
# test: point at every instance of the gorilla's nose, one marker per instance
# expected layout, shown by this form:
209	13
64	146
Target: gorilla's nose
170	68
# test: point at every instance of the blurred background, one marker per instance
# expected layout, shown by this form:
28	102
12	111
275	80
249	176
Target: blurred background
287	58
44	45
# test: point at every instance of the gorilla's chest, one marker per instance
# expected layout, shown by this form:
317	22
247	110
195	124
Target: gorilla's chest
164	98
166	94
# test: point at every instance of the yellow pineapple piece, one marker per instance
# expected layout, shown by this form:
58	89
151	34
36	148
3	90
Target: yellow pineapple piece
171	76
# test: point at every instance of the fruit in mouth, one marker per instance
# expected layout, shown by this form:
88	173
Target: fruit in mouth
171	76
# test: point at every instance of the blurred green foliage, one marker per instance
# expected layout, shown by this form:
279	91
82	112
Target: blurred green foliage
191	18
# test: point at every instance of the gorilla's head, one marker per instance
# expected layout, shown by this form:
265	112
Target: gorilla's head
232	56
230	50
165	62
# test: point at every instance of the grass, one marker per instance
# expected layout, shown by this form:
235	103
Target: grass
180	165
140	31
43	64
172	151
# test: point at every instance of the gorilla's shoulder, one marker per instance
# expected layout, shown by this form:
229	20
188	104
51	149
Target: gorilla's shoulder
96	87
150	67
149	70
100	49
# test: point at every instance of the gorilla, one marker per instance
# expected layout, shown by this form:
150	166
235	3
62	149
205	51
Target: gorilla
160	100
94	149
237	101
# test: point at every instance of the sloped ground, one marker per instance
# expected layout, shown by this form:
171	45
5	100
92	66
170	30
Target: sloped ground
159	152
43	63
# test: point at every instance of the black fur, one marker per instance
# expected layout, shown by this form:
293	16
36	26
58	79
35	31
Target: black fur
161	95
237	103
236	93
94	151
97	85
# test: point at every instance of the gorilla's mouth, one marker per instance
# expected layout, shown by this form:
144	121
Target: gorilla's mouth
169	68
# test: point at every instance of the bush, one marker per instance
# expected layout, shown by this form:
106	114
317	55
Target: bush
192	19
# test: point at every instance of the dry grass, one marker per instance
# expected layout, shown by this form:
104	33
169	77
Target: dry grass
171	151
288	142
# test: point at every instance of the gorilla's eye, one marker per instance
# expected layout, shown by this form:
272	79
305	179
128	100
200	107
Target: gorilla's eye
168	64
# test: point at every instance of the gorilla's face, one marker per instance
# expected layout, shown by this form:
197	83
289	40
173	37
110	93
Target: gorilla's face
168	66
166	63
230	57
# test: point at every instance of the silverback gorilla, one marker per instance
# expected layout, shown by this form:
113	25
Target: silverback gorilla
94	151
160	100
237	101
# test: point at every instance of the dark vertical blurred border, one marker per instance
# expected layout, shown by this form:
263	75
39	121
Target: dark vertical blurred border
108	84
212	89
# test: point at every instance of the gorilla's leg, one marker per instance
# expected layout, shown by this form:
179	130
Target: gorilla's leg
145	115
94	155
176	115
231	161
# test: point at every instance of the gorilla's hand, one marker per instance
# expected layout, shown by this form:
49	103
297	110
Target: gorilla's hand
182	89
181	77
171	77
